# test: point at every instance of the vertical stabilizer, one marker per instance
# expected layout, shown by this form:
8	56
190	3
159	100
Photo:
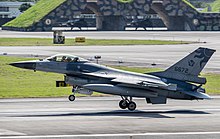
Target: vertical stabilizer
193	63
188	68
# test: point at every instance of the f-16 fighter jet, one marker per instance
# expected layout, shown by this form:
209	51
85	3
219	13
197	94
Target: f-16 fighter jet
180	81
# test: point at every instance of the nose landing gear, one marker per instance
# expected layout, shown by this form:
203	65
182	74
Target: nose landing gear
72	97
74	91
126	103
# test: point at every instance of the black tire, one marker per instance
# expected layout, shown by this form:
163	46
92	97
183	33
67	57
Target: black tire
72	97
123	104
132	106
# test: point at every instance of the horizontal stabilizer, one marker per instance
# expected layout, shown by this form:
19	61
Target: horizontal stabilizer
197	95
182	77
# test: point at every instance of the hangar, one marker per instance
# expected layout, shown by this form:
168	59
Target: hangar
177	15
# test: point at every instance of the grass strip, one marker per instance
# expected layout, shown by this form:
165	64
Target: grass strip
71	42
21	83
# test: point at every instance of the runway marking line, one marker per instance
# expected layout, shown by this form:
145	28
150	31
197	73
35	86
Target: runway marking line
111	135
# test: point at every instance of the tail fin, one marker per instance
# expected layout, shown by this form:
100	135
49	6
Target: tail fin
188	68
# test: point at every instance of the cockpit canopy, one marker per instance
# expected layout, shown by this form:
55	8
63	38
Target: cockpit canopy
65	58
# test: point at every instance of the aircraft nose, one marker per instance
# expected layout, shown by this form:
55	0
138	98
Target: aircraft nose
24	65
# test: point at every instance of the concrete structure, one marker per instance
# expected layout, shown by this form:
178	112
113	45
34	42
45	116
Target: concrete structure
176	14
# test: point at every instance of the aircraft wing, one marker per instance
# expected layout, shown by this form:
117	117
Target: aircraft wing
134	82
99	75
145	84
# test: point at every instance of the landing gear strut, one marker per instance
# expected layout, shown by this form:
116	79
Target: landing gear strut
126	103
72	97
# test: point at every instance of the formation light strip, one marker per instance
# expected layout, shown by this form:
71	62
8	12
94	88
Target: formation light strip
125	1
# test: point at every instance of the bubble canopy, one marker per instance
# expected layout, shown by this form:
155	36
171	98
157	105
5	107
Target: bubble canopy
65	58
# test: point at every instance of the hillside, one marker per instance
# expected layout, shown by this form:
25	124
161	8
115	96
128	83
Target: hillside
215	6
35	13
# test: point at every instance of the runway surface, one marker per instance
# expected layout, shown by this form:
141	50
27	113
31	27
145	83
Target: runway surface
100	117
137	55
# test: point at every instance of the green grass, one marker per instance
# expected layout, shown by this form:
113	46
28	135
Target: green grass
212	86
16	83
21	83
215	7
71	42
35	13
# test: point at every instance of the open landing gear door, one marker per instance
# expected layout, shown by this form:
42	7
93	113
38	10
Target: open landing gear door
157	100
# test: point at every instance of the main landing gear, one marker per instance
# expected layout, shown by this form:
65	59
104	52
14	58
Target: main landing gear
72	97
74	91
126	103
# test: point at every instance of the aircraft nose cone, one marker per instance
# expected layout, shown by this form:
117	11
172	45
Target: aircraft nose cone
24	65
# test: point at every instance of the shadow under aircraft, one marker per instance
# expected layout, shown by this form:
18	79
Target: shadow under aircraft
138	113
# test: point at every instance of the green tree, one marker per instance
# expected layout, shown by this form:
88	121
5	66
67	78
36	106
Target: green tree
24	7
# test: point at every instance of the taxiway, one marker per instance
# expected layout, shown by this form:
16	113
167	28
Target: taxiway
135	55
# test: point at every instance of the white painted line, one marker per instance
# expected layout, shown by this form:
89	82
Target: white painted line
112	135
4	132
61	99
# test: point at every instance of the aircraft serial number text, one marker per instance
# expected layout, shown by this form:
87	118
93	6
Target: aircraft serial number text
181	69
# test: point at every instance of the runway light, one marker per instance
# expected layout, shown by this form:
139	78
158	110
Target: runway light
97	58
153	64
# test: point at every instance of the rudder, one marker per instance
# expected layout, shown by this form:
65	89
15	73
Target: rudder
189	68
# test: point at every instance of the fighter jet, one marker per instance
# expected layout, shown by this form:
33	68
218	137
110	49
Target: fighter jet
180	81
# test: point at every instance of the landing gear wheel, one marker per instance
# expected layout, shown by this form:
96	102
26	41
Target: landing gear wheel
72	98
123	104
131	106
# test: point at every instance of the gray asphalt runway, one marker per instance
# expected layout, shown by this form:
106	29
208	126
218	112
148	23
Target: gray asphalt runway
92	117
145	55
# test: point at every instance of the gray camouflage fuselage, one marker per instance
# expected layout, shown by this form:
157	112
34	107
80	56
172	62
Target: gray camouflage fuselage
155	87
